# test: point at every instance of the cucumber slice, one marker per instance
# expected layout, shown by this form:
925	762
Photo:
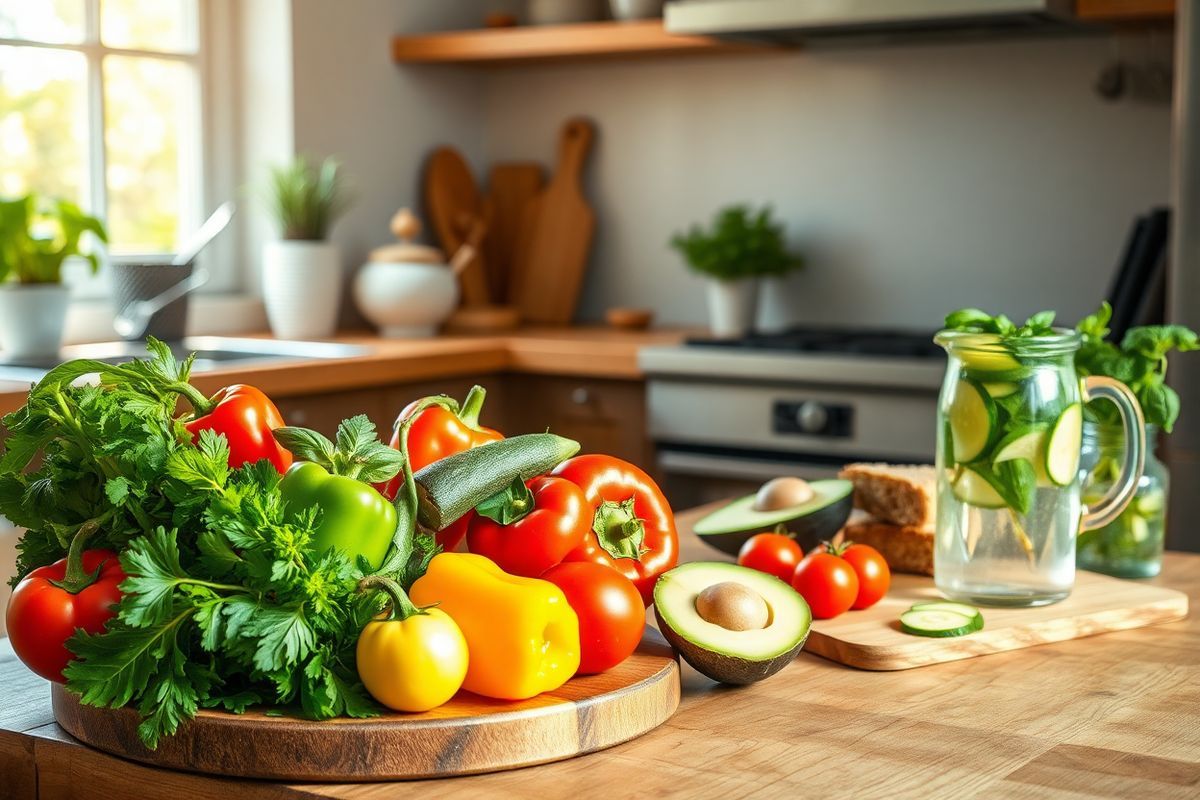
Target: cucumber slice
970	612
974	489
1027	442
937	623
989	357
999	389
1139	528
1149	504
972	416
1063	447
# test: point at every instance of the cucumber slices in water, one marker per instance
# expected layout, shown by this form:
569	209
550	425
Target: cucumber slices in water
1027	442
941	620
972	417
1063	446
974	489
1001	389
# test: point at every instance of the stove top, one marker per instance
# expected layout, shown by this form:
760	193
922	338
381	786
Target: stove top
836	341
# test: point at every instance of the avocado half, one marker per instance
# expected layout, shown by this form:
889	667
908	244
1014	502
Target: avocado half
729	656
728	528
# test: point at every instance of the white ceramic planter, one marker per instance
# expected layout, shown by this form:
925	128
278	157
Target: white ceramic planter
302	288
732	306
31	319
406	300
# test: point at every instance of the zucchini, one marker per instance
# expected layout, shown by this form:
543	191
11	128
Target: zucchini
449	488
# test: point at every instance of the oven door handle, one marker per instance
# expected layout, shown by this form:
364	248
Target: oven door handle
754	469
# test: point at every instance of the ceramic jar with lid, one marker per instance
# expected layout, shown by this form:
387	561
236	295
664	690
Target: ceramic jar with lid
406	289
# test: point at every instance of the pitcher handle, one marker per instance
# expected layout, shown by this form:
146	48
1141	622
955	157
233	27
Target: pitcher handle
1124	488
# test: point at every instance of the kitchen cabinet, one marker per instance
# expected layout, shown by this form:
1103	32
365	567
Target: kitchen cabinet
604	416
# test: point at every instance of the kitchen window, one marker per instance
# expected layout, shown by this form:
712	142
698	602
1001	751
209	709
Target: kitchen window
100	103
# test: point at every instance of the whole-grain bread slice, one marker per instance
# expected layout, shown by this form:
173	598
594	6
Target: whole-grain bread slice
903	547
901	494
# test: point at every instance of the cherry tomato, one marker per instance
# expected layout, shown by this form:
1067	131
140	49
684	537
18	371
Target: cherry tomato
610	611
827	583
874	577
773	553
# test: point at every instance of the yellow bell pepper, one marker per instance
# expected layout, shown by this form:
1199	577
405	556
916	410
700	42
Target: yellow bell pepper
522	635
410	659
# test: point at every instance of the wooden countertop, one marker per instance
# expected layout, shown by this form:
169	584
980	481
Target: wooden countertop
1114	715
582	351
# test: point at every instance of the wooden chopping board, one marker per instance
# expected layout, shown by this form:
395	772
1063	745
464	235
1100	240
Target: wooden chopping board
455	208
511	189
550	265
871	639
470	734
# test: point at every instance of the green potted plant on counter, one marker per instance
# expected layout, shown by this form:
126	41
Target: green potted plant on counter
741	247
1131	546
36	236
302	272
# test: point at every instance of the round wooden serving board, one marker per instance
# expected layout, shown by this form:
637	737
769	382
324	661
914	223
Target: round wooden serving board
470	734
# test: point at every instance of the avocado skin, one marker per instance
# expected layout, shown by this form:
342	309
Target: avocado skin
809	530
723	668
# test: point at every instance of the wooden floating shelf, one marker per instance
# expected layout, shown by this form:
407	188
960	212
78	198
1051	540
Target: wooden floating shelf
585	41
1125	10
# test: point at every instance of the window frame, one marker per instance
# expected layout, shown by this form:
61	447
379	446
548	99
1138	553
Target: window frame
213	150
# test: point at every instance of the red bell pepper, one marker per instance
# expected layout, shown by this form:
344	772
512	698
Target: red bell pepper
51	602
441	430
632	529
246	417
533	529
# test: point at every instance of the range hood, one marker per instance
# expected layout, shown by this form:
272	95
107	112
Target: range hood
801	20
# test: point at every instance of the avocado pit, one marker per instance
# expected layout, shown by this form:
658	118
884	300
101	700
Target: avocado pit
733	606
780	493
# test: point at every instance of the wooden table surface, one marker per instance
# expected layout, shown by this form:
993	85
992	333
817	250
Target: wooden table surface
1116	715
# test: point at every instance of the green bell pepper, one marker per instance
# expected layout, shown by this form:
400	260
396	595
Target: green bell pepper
355	518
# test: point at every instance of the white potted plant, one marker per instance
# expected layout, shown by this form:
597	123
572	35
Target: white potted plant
36	236
302	273
740	248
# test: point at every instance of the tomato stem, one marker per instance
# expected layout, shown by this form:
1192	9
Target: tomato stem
75	579
401	607
201	406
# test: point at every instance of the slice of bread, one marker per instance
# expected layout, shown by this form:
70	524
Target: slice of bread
903	547
897	494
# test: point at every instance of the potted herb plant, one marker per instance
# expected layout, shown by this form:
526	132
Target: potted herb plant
302	272
1130	546
741	247
36	236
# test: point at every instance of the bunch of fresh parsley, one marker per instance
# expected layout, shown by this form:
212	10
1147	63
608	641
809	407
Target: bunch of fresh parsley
1139	362
226	606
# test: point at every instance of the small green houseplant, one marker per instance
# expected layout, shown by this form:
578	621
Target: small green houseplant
302	274
739	248
37	235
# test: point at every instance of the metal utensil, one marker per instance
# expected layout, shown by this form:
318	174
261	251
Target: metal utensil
135	317
215	223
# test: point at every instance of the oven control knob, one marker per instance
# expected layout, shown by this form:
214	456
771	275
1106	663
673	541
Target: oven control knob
811	417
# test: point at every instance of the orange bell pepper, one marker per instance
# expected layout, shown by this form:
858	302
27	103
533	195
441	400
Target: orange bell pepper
522	635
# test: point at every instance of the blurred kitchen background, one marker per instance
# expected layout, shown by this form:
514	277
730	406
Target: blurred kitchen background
923	155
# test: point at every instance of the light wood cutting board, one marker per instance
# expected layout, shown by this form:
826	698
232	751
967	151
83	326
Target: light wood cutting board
511	189
550	266
454	207
872	639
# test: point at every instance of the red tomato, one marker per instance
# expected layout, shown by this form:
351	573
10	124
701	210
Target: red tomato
874	577
610	611
828	584
773	553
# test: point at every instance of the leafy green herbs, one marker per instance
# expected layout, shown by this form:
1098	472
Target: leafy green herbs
740	244
226	603
357	454
1139	361
972	320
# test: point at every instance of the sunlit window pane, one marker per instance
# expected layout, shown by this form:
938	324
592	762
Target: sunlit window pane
164	25
43	123
151	140
57	21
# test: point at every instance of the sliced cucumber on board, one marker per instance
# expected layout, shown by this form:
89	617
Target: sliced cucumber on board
938	623
970	612
1064	444
972	416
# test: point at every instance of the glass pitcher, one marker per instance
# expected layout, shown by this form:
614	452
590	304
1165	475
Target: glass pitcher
1010	430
